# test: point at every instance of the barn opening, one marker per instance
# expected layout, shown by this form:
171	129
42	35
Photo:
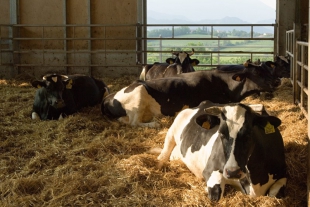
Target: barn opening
226	37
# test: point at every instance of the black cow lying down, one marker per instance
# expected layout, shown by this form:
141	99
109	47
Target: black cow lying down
280	67
231	145
62	95
139	102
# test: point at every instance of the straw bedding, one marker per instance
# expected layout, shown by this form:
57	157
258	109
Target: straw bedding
89	160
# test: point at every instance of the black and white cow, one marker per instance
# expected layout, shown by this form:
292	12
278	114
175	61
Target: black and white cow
141	101
230	145
181	64
62	95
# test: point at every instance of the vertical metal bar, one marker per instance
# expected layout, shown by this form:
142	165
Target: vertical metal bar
308	109
302	76
73	49
144	34
139	32
90	36
138	44
218	49
296	36
0	45
275	40
65	48
161	49
43	46
14	32
105	44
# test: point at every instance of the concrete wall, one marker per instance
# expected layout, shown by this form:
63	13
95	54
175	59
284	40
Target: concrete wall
285	20
106	56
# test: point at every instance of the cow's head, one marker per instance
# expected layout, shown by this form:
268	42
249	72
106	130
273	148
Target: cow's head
251	80
54	86
236	130
183	58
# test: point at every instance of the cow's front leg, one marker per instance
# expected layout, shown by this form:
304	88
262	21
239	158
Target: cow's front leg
169	145
215	186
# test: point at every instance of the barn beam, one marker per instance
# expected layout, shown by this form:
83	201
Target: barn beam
14	32
65	33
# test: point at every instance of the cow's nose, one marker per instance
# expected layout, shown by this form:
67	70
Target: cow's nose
234	173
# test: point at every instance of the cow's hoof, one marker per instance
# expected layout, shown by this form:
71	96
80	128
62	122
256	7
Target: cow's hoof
215	192
34	115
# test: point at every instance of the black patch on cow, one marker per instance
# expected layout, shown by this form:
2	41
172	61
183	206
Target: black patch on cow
216	160
245	184
112	107
214	193
267	157
194	136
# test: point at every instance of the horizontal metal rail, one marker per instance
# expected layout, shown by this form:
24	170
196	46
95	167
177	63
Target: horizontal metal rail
24	41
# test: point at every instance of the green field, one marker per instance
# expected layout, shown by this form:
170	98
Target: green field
204	46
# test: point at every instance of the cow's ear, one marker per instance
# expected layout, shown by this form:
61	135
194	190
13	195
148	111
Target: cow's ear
68	83
270	64
214	110
194	62
239	77
207	121
170	60
38	83
268	123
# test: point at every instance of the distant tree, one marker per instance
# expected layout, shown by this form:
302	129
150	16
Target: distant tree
182	31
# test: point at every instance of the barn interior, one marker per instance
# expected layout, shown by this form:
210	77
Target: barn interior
89	160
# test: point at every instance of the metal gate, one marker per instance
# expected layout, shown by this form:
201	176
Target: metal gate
298	53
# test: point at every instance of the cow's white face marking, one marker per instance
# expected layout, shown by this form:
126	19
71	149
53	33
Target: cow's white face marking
235	119
54	79
182	56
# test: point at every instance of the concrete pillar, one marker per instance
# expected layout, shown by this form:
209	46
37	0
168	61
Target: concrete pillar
285	19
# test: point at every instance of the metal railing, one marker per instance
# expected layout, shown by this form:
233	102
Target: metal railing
94	45
298	53
214	32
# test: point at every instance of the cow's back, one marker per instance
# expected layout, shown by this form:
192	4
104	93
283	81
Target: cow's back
86	91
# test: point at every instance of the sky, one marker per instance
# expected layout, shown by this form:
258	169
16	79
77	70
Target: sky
251	11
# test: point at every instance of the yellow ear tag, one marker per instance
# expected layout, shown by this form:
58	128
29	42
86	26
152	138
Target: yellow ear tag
238	78
194	64
38	86
245	64
171	62
69	85
273	66
206	125
269	128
